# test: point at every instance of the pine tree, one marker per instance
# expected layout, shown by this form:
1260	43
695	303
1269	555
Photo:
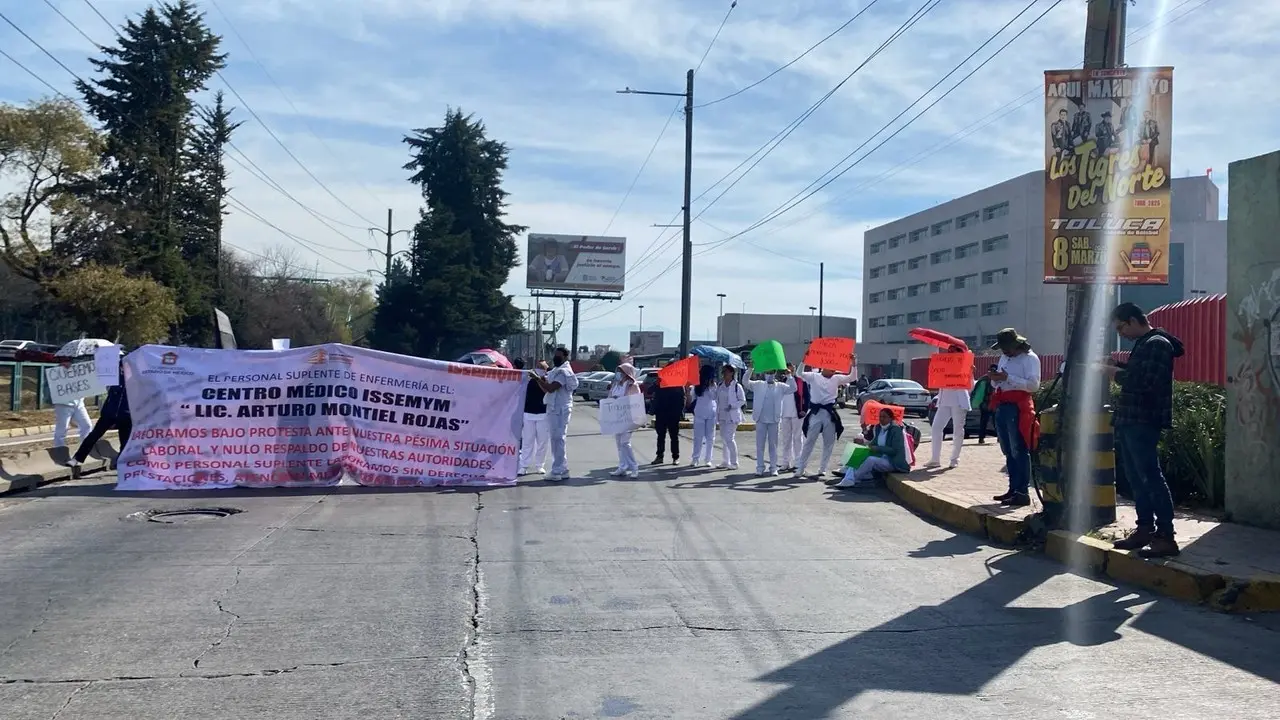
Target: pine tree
202	205
451	301
142	101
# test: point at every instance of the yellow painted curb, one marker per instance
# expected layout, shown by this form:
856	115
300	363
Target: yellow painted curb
24	431
742	427
1084	555
955	512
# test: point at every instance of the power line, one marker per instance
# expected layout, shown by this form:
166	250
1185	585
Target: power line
716	36
239	204
303	242
261	122
32	73
793	61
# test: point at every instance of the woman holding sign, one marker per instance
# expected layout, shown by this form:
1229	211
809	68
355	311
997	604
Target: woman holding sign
730	398
954	380
624	384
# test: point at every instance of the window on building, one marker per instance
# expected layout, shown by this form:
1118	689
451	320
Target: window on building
988	340
970	340
875	272
915	290
966	220
915	318
964	311
916	263
917	235
967	250
896	240
995	277
895	268
875	297
942	256
938	286
877	247
879	322
993	309
939	315
893	320
940	228
995	211
896	293
1000	242
964	281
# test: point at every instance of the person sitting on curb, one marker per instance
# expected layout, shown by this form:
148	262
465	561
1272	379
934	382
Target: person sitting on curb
887	442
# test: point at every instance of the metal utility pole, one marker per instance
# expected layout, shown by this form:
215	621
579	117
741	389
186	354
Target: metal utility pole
686	274
388	253
641	327
573	350
822	271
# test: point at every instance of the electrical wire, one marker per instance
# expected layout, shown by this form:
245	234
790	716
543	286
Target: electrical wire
793	61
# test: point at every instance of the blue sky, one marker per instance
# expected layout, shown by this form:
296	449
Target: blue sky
353	77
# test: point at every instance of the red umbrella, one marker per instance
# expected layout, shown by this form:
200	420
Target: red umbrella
937	338
486	356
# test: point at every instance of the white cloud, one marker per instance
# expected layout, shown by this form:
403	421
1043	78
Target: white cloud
542	76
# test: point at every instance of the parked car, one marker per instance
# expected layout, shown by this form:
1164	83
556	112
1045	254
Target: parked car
972	421
9	348
648	379
595	386
908	394
36	353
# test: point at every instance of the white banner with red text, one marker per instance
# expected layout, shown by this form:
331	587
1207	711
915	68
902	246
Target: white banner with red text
314	416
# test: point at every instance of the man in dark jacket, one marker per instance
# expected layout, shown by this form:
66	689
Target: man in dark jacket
1145	408
114	414
668	410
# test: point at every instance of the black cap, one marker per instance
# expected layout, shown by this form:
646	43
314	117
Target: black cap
1007	337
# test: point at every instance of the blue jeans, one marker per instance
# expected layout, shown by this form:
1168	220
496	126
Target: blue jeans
1016	454
1137	447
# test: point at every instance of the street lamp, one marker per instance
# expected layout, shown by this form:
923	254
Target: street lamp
641	318
812	310
720	320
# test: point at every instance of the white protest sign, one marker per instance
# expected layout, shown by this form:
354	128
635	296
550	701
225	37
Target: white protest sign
73	382
279	343
315	416
107	360
621	415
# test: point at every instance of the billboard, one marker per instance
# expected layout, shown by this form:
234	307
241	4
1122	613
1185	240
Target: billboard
1107	179
576	262
646	342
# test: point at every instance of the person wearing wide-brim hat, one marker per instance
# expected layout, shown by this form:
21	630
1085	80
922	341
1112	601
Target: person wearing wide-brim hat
624	384
1015	381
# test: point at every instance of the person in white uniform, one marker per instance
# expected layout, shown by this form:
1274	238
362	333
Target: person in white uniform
768	399
790	437
64	414
953	407
559	385
624	384
822	420
704	416
534	432
730	399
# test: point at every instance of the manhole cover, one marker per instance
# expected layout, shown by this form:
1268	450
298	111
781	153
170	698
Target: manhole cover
172	517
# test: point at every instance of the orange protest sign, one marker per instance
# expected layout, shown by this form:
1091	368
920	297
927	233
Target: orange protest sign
871	412
830	353
951	371
679	373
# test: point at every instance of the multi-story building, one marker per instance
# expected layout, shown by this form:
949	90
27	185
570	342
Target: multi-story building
974	265
793	331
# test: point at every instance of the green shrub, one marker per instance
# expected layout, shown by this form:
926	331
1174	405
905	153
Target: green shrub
1193	454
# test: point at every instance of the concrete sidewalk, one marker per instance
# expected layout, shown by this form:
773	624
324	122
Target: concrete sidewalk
1229	567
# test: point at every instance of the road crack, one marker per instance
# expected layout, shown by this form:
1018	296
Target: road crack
211	676
70	697
468	658
218	602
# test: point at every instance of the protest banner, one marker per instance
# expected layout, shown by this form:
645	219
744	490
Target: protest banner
73	381
622	414
830	353
768	356
314	416
107	363
679	373
871	412
951	371
1107	175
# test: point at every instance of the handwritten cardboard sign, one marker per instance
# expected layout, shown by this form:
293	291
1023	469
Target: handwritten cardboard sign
951	371
830	353
75	381
622	414
679	373
871	412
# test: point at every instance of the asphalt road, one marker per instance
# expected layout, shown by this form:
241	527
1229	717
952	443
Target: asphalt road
682	594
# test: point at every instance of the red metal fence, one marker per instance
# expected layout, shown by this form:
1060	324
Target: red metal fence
1200	323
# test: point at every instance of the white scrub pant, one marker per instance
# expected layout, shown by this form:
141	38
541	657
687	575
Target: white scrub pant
704	431
820	426
626	455
533	442
956	416
558	427
729	442
790	441
63	415
869	467
766	435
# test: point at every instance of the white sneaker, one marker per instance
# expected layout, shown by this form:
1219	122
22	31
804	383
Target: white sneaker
73	463
732	466
541	471
618	473
633	474
556	478
933	464
955	463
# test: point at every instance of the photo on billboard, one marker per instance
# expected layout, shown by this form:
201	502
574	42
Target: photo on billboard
576	262
646	342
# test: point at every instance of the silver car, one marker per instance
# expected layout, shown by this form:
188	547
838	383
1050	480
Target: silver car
595	386
908	394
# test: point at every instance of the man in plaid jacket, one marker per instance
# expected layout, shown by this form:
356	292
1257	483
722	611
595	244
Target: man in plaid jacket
1144	410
